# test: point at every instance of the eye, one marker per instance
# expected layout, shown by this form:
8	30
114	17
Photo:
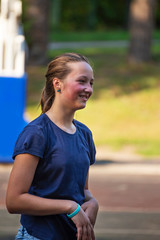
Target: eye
81	81
91	83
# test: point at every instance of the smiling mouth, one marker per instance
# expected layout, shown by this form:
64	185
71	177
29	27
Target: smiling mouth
84	97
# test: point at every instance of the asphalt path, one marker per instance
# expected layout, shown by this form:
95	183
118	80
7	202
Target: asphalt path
128	195
87	44
91	44
129	198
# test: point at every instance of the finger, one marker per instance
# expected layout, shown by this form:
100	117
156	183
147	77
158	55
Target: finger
92	234
79	233
89	234
85	233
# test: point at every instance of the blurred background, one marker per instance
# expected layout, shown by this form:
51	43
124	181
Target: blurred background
122	41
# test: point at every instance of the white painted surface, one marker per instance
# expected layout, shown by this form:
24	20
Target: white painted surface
12	41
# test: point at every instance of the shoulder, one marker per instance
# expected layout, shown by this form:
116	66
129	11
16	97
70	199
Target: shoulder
38	125
35	130
32	139
82	128
39	122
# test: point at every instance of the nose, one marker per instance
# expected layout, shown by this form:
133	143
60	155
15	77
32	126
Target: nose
88	88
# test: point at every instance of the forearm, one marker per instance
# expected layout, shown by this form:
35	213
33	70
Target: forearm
88	196
90	201
33	205
90	206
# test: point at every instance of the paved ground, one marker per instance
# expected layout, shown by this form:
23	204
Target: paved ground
128	194
129	198
87	44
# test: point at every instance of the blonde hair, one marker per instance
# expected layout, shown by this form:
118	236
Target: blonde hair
57	68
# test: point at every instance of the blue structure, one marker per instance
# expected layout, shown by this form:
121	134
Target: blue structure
12	77
12	108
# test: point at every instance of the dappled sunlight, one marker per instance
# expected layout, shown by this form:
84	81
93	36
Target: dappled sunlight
141	10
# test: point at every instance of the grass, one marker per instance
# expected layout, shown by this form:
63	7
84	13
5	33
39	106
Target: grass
89	36
119	34
124	109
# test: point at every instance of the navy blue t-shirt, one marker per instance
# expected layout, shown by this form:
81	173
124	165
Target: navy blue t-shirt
61	172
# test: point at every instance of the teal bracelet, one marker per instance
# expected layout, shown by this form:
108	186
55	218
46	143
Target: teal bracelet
75	212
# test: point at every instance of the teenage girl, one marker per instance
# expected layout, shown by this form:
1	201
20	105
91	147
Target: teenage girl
48	184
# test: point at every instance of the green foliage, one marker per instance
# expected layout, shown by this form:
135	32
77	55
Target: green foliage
84	15
112	14
157	14
92	14
74	15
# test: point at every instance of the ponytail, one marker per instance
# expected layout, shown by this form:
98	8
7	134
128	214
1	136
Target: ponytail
46	99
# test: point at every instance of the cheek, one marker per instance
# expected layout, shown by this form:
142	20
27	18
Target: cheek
73	90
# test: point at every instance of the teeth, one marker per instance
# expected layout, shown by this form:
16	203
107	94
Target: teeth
83	96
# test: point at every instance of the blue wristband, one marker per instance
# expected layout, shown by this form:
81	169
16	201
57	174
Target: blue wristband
75	212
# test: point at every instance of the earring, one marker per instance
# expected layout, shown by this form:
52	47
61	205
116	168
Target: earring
58	90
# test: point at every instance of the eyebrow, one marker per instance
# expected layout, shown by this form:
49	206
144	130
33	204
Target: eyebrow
92	79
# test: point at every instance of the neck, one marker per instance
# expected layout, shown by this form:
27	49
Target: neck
63	118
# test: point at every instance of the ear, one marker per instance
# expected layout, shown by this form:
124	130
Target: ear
56	83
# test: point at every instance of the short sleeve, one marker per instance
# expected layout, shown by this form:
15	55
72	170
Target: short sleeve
92	149
31	140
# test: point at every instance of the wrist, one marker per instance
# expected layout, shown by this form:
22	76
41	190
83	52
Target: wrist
94	202
72	206
71	215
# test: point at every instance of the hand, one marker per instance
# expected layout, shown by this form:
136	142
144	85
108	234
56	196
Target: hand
84	226
91	209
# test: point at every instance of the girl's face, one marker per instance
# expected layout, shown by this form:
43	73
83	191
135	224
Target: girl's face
77	87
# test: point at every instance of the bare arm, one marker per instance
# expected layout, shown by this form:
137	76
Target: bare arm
90	206
18	200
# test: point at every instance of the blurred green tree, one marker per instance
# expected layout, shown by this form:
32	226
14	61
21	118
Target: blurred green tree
92	15
55	14
83	15
74	15
36	15
141	25
112	14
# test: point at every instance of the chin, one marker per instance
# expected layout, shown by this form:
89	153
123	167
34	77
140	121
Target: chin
81	106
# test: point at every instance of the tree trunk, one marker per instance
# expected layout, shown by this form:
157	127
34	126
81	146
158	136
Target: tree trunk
141	26
37	15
